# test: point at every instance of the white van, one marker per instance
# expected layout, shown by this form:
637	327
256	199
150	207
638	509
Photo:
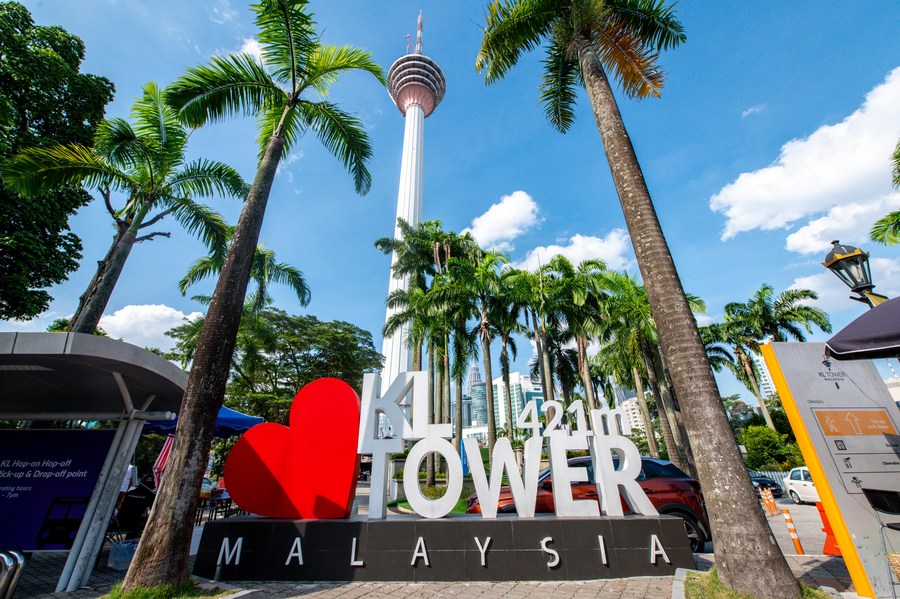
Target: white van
799	485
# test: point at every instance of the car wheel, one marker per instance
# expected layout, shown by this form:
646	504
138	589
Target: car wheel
695	537
795	498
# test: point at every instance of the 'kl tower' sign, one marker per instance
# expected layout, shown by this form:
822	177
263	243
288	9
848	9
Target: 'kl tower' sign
301	481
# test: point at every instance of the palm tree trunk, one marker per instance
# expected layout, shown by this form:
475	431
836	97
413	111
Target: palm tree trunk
162	554
645	413
550	392
747	556
665	419
92	304
488	382
504	361
457	437
539	350
429	461
751	376
585	371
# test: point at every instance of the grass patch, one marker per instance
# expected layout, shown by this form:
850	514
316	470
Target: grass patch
438	491
708	586
166	591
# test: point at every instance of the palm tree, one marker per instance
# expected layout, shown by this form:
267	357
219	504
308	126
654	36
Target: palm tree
780	318
584	40
145	161
285	92
530	291
264	271
579	295
505	320
631	322
766	316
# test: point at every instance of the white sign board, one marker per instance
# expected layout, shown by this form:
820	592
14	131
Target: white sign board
848	428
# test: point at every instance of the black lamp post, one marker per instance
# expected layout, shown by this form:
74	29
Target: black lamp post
851	265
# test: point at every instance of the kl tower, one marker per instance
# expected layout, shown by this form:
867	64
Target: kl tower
417	85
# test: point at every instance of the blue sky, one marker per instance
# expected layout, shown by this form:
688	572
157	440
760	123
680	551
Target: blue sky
772	137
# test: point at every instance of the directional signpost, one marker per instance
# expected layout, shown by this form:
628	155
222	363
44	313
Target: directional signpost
846	424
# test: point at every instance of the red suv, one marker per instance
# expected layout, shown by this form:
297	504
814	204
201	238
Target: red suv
671	491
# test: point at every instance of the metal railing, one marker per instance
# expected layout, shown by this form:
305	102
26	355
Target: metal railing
12	563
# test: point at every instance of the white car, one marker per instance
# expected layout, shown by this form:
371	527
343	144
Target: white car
799	485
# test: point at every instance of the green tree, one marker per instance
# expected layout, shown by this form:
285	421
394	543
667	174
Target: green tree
44	100
264	271
585	39
765	448
285	92
143	161
780	317
766	315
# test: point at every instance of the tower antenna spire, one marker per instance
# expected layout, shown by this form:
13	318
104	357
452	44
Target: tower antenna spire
419	34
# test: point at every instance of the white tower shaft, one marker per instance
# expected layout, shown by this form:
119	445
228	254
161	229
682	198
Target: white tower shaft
395	348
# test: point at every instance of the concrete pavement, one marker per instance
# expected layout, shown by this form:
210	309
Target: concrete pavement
42	571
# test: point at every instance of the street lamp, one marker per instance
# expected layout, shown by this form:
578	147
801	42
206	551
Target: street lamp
851	265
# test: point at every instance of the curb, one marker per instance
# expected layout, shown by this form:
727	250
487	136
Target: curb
678	583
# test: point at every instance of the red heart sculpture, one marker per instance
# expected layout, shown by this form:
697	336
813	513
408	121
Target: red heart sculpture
307	470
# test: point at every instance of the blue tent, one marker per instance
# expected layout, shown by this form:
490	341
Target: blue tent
228	424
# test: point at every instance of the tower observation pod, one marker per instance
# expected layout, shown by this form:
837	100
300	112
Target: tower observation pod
416	85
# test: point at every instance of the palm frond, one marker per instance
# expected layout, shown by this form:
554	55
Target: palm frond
157	121
40	170
198	220
650	20
287	35
205	267
558	85
632	62
229	85
327	62
344	136
291	276
205	178
513	27
118	142
886	230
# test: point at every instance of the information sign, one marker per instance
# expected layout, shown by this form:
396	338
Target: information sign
46	481
846	424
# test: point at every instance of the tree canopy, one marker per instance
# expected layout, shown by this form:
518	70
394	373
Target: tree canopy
44	100
278	353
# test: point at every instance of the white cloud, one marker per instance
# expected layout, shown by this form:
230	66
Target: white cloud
752	110
251	46
614	249
145	325
849	223
704	319
838	163
294	157
222	13
509	218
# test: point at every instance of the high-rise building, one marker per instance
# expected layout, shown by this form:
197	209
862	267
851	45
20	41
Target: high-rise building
521	390
633	411
477	394
766	386
417	86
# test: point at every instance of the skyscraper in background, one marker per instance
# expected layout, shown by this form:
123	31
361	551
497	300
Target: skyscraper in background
417	86
476	391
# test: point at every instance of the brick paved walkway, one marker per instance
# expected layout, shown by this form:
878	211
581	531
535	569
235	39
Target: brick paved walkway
42	572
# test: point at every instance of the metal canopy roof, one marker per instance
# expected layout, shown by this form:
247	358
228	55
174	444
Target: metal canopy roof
84	377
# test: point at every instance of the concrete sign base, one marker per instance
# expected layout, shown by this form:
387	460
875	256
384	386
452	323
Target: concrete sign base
449	549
